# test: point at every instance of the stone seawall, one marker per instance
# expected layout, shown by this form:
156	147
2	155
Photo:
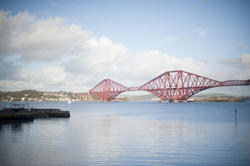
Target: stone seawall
24	114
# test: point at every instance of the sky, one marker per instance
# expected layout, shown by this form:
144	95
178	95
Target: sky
53	45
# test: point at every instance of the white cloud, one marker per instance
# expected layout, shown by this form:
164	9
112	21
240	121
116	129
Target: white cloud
75	60
36	40
48	77
242	61
51	75
238	68
97	57
201	32
148	64
130	70
242	46
172	38
245	59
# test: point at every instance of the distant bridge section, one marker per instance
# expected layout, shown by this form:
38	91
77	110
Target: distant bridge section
235	82
107	90
175	85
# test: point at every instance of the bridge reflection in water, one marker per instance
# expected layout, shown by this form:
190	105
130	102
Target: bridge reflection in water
175	85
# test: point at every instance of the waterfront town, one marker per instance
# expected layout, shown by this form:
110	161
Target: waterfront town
33	95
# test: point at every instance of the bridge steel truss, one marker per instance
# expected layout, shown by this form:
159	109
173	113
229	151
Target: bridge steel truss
178	85
172	85
107	90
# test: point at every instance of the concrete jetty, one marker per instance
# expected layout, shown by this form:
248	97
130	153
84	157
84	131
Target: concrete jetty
12	114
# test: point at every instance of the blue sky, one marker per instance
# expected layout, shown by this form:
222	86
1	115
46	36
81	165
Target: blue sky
148	24
210	33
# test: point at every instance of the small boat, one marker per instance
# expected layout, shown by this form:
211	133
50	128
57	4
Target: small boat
69	102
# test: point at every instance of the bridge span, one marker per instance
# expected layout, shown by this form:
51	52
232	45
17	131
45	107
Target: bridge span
174	85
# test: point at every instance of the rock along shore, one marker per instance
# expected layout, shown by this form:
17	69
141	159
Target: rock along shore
12	114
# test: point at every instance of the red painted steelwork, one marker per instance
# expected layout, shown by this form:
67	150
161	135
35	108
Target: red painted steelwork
178	85
172	85
235	82
107	90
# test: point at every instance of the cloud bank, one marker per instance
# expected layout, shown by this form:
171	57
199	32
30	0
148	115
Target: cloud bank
50	54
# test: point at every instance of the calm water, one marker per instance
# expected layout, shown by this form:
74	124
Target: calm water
146	133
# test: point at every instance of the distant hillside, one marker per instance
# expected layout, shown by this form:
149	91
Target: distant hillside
19	94
147	97
34	95
210	95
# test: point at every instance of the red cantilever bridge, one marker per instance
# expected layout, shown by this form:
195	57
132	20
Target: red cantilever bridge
175	85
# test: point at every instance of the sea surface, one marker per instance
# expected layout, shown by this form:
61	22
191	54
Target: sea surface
129	134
